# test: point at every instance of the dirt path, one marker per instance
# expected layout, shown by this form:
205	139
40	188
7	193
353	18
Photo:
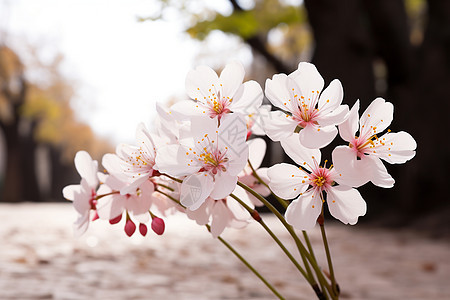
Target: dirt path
40	259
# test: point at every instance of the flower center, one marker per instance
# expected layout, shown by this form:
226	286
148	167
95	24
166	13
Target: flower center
319	181
139	162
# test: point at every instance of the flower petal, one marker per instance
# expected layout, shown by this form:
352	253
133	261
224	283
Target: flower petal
376	118
278	125
315	137
287	181
277	91
305	157
397	147
201	214
308	79
380	176
86	167
224	184
346	204
195	189
349	170
199	81
303	212
335	117
348	128
221	216
248	98
70	191
231	78
257	151
331	97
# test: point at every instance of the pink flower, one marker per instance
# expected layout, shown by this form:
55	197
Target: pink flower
315	115
222	213
84	194
211	157
216	96
133	164
360	161
308	184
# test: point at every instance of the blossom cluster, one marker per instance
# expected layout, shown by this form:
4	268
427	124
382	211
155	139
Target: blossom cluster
204	150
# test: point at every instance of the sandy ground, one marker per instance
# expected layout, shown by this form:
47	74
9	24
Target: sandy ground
40	259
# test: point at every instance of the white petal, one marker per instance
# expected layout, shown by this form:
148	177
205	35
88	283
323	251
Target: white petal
248	98
346	204
331	97
335	117
224	184
70	191
303	212
184	109
237	210
315	137
348	129
86	167
172	159
220	218
195	189
305	157
199	81
232	135
380	176
287	181
308	79
231	78
349	170
398	147
278	125
376	118
257	151
277	91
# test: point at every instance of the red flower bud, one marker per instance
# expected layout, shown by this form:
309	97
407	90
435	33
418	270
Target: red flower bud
143	229
130	227
115	220
158	225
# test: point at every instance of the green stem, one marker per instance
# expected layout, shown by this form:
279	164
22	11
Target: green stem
311	251
327	251
258	218
249	266
291	231
170	197
165	186
173	178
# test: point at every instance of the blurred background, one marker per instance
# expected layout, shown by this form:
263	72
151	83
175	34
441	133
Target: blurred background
81	74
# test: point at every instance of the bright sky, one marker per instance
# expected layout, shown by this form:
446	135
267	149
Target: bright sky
123	66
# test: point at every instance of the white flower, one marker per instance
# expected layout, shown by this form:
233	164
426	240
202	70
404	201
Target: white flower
307	184
84	194
360	161
303	107
133	164
211	157
217	96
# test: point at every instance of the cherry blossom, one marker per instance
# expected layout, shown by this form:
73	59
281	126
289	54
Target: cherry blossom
217	96
84	194
210	156
303	107
222	213
360	161
133	164
308	183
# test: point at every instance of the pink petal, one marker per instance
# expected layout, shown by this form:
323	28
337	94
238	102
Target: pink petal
376	118
86	167
248	98
199	81
398	147
349	170
278	125
224	184
220	218
308	79
331	97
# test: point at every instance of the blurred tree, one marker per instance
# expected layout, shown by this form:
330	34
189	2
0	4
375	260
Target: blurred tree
395	49
39	116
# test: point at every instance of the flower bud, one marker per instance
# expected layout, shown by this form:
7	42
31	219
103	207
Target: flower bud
158	225
130	227
143	229
115	220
